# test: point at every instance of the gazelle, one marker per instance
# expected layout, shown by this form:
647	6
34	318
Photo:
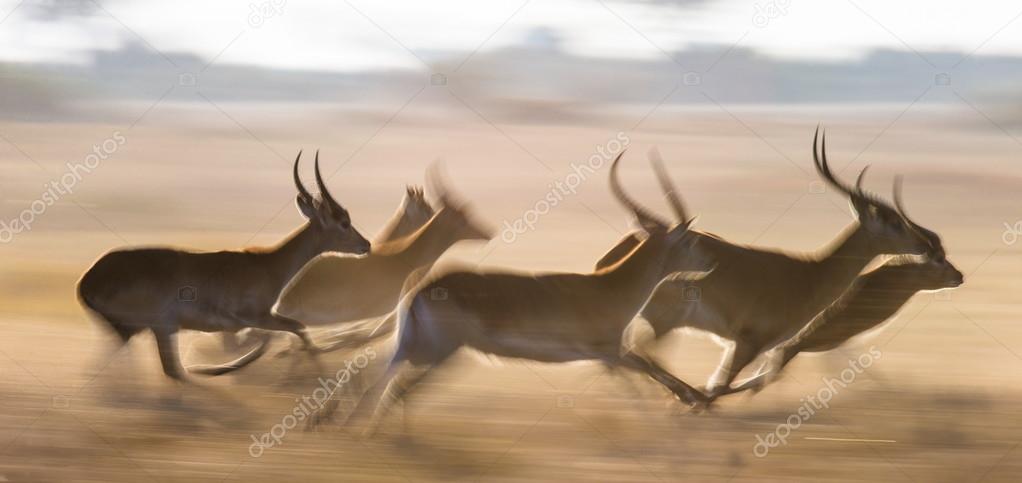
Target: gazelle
874	298
546	317
166	289
756	298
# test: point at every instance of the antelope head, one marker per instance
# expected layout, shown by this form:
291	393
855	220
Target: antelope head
682	250
937	274
454	214
327	217
891	230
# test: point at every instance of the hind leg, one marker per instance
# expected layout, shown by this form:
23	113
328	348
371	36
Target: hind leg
166	342
396	390
412	362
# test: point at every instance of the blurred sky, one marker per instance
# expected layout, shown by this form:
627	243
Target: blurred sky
358	34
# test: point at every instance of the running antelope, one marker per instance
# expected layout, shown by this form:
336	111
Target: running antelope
166	289
547	317
875	297
756	298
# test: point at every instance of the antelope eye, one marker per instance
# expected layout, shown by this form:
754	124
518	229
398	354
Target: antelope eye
345	224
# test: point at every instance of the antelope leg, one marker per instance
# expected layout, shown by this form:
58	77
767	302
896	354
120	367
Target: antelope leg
735	359
683	390
166	342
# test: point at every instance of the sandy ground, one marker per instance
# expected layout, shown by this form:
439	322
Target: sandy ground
939	404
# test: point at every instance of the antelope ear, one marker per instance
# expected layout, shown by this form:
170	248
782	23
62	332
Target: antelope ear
306	207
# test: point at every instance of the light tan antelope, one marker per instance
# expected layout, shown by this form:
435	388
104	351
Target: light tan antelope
167	289
756	298
545	317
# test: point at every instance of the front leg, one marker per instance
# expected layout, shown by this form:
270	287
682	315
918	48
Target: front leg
279	322
735	359
686	393
638	338
767	372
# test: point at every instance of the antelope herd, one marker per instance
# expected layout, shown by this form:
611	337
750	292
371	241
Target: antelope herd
754	301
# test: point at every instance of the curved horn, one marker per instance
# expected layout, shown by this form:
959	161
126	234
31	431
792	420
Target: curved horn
899	205
624	199
667	186
823	169
323	192
304	193
858	181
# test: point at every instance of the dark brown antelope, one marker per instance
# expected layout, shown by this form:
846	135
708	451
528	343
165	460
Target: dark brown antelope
166	289
756	298
545	317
